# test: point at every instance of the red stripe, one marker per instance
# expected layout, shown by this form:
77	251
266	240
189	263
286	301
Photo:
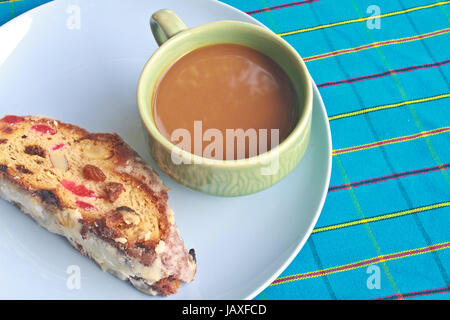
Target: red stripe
381	143
385	73
281	6
329	54
416	293
363	263
426	294
388	177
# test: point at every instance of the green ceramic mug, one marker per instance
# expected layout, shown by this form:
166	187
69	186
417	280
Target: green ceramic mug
223	177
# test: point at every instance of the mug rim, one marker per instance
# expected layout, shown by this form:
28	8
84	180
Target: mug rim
301	125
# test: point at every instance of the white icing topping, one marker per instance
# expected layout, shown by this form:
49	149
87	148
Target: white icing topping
107	256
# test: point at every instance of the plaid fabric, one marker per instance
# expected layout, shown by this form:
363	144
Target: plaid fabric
384	230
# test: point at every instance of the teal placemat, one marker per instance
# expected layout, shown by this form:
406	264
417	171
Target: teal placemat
383	68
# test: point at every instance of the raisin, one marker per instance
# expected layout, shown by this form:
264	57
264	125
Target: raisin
3	141
125	208
48	197
94	173
113	191
114	219
141	246
35	150
192	253
22	169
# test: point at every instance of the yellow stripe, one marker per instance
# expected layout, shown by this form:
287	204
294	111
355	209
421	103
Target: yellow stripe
387	106
363	263
376	45
363	19
382	217
413	113
372	238
422	134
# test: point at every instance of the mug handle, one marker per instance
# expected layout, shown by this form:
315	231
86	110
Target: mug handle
165	24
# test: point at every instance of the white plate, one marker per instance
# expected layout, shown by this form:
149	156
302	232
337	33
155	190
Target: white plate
88	76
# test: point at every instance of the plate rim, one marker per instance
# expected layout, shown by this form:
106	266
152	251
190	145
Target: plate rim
316	95
305	237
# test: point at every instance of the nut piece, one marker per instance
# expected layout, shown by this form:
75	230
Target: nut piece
130	217
59	161
113	191
121	240
147	236
93	173
94	151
